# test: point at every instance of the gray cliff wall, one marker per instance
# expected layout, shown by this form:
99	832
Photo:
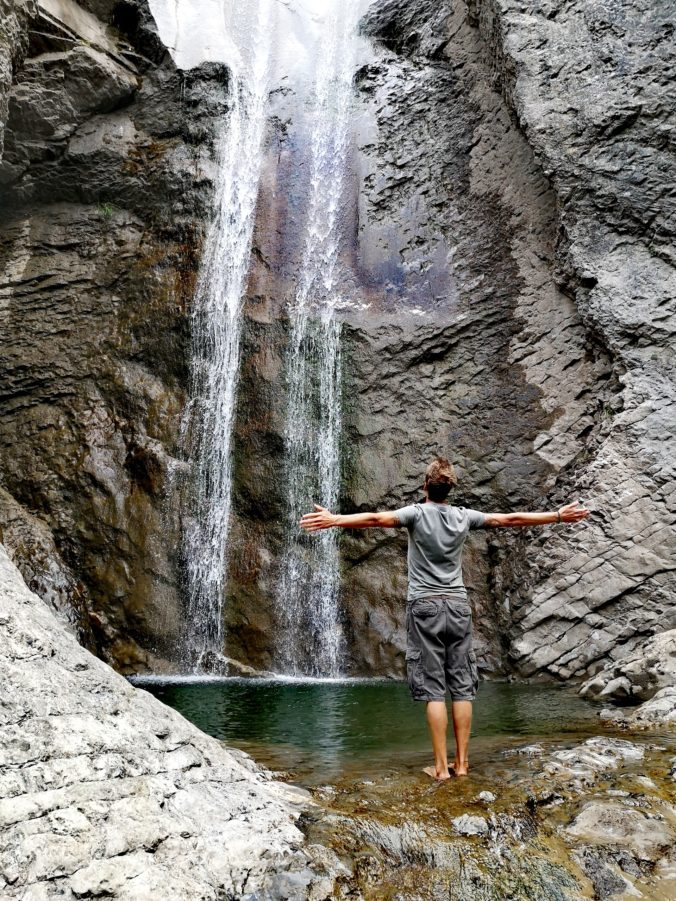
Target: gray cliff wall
105	186
511	270
592	87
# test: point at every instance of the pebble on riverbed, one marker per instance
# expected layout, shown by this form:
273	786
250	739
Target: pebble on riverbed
525	751
470	825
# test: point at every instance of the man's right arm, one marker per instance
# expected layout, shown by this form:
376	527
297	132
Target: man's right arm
324	519
569	513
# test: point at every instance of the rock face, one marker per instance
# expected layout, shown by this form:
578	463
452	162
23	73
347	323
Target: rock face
105	185
585	83
104	791
464	342
637	676
510	259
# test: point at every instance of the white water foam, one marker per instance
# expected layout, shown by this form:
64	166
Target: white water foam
273	679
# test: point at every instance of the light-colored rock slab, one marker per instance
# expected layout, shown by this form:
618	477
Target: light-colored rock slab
609	823
470	825
104	791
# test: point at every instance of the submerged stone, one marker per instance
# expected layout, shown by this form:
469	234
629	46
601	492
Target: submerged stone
470	825
609	823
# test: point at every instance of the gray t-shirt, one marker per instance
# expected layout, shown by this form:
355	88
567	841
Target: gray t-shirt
436	535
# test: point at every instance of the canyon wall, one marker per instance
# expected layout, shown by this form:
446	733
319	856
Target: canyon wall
512	307
105	189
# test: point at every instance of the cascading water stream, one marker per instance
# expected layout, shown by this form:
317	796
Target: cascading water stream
216	334
308	596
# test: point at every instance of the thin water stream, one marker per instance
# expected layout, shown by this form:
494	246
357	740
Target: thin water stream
216	337
309	588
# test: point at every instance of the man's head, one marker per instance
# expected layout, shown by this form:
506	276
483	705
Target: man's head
440	477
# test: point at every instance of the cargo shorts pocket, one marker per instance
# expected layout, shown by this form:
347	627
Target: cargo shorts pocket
424	609
414	672
473	671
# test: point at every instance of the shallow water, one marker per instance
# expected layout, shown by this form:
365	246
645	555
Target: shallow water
325	730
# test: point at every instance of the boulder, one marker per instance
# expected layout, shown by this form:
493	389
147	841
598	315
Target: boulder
470	825
581	765
638	674
109	792
659	711
610	824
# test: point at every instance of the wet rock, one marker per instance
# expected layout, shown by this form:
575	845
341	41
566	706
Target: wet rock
636	676
470	825
487	797
108	791
607	883
582	764
660	710
411	844
105	185
524	751
610	824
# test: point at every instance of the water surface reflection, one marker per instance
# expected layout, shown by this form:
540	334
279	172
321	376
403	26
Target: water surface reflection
322	730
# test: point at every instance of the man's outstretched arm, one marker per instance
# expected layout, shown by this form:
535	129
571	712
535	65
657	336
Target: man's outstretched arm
324	519
570	513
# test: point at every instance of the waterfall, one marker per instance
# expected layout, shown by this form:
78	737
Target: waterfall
308	596
216	333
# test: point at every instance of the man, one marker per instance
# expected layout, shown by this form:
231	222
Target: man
439	655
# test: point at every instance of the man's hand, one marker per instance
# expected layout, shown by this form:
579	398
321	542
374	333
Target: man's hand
573	512
320	519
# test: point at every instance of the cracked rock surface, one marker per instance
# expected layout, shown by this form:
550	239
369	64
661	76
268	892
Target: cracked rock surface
591	86
104	791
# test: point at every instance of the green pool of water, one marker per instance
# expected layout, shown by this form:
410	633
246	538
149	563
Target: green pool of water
321	731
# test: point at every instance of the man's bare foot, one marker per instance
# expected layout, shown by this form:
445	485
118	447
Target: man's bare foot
459	769
432	771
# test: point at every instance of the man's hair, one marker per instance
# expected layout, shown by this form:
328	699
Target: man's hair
439	479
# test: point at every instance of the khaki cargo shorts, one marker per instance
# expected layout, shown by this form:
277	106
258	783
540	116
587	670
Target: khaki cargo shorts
439	653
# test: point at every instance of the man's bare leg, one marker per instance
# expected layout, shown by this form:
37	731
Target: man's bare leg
462	724
437	720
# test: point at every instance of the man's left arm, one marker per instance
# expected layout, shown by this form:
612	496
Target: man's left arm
569	513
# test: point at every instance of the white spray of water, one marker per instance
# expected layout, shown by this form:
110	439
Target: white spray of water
216	336
311	638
